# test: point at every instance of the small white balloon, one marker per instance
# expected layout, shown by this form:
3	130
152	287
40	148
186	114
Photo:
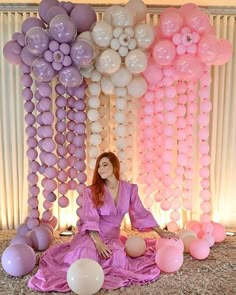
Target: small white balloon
86	72
115	44
121	143
96	127
132	44
95	139
122	155
92	163
93	151
123	51
122	77
129	31
102	34
102	111
95	76
94	89
108	62
136	61
93	115
94	102
107	85
137	87
120	91
121	103
120	130
120	117
117	32
144	35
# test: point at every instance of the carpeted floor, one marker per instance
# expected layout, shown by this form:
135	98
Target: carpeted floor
214	276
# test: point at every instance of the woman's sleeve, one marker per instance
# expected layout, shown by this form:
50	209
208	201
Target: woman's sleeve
140	218
90	217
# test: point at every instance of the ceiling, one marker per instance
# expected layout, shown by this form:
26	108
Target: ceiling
206	3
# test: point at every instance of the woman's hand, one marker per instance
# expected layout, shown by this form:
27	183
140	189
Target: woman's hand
103	250
165	234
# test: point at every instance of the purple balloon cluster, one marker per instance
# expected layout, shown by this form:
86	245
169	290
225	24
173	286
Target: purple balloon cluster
51	45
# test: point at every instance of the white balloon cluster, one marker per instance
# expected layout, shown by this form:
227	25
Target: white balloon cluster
122	42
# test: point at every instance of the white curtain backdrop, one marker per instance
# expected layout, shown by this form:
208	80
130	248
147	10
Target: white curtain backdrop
13	162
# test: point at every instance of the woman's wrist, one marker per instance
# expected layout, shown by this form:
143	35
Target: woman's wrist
157	229
95	236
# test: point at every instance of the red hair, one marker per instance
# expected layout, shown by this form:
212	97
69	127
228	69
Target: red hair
97	186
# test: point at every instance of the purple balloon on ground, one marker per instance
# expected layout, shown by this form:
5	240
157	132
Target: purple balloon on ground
18	259
19	239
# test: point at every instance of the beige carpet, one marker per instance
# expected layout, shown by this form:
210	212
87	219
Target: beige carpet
214	276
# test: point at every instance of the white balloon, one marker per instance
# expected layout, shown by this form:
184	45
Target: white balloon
121	103
129	31
93	115
107	85
120	91
107	16
117	32
132	44
138	8
136	61
122	77
120	117
121	143
122	17
144	35
94	89
122	155
86	72
93	151
95	139
96	127
123	51
115	44
120	130
95	76
137	87
92	164
94	102
102	34
108	62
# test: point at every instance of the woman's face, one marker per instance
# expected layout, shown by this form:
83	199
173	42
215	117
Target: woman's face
105	169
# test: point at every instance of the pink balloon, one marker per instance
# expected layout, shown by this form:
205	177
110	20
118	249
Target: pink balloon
41	238
63	202
172	226
209	238
198	21
135	246
153	74
199	249
164	53
219	232
188	68
225	52
162	242
205	206
208	49
170	22
169	259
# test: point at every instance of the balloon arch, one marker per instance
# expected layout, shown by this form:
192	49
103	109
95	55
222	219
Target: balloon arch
73	68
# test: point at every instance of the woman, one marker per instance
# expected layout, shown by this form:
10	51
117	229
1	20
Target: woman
105	203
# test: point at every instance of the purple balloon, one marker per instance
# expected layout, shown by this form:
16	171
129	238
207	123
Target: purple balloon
21	40
18	259
22	229
19	239
82	53
27	57
44	7
54	11
84	17
70	77
31	22
11	52
42	70
41	238
37	41
62	29
25	69
68	6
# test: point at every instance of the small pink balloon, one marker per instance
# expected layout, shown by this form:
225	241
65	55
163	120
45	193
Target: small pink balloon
41	238
162	242
209	238
63	202
135	246
219	232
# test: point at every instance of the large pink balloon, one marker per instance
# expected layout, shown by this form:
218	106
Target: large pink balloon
170	22
198	21
164	53
161	242
225	51
18	259
208	49
188	68
41	238
219	232
169	259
